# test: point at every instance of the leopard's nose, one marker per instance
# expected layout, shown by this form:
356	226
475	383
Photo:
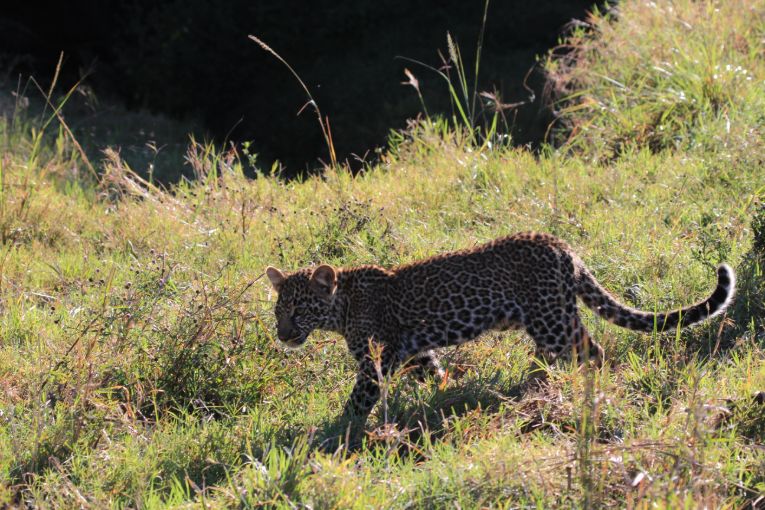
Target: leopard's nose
285	333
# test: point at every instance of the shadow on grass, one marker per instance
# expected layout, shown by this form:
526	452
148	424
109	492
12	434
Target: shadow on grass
432	412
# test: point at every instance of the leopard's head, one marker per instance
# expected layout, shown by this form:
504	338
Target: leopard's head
305	301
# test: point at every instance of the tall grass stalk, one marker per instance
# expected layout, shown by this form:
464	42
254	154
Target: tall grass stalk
323	121
463	97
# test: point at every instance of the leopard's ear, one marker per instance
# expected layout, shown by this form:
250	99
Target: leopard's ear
324	280
277	277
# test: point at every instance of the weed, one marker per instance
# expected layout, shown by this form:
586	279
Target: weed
323	121
481	126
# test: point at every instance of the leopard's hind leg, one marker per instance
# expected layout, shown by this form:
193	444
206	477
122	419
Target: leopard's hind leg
554	324
565	340
583	347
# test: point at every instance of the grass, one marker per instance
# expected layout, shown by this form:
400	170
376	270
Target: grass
138	366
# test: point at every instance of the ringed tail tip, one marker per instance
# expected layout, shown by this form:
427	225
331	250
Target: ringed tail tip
726	287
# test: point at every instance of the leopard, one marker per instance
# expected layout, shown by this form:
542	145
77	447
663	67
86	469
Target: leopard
398	317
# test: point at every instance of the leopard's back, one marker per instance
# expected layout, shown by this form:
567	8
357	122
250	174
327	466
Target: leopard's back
451	298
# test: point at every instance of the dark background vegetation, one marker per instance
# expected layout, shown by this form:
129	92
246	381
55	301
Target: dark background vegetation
192	61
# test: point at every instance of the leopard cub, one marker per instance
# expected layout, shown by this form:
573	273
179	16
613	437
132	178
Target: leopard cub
528	280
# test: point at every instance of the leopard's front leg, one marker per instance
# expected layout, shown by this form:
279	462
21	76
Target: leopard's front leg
415	350
373	368
365	394
423	364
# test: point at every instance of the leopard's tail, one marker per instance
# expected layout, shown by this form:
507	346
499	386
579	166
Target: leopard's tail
607	306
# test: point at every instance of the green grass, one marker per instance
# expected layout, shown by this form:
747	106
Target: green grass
138	366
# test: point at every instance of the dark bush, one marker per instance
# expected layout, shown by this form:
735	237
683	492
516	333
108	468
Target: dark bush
193	60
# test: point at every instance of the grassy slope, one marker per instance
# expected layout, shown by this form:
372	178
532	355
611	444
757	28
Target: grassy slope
137	366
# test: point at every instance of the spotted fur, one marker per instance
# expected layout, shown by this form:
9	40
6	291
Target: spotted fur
528	280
